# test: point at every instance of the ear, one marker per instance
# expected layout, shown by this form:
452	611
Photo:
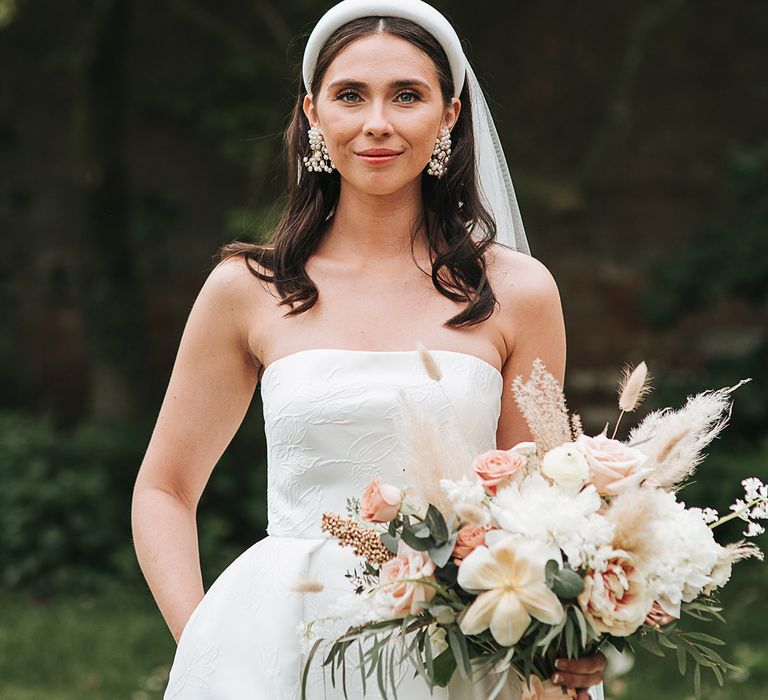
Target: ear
452	113
309	110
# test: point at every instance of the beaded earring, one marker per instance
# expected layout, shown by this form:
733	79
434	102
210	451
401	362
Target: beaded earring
320	160
438	164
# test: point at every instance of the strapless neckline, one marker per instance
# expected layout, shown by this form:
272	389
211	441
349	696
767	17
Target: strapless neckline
455	353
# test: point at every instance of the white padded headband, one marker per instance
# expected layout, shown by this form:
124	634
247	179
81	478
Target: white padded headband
415	10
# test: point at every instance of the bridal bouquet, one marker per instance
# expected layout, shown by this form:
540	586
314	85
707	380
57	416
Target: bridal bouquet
503	561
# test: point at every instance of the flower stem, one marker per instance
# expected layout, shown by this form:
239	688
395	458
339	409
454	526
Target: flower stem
617	425
737	513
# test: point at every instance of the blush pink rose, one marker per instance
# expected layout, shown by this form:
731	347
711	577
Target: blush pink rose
403	597
615	599
613	465
380	503
470	536
497	468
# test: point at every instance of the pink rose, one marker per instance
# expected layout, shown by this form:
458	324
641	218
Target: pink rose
615	600
470	536
380	502
613	465
497	468
401	597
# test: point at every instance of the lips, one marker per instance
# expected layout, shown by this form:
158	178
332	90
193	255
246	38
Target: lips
378	152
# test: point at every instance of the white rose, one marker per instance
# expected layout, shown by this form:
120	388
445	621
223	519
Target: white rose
566	466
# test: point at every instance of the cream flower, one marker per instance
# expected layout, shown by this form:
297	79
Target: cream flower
566	466
510	574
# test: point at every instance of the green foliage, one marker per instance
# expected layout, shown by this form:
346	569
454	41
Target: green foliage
696	645
727	260
65	507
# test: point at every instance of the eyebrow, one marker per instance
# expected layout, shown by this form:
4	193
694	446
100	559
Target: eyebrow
394	84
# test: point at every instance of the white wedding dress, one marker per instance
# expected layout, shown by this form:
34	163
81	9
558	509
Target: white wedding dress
328	416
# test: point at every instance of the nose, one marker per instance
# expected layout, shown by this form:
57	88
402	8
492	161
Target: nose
376	121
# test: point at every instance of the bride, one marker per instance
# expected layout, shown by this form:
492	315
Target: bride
401	226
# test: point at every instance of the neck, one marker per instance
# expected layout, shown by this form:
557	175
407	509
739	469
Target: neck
368	228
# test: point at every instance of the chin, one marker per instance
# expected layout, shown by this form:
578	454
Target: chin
381	185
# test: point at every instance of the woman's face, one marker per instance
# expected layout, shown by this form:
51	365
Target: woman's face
380	92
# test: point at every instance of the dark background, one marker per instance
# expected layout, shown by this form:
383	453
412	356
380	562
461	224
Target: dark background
137	137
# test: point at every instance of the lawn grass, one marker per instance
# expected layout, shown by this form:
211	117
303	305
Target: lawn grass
116	647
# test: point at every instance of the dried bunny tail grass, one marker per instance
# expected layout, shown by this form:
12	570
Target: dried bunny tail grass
306	585
430	453
736	551
542	403
429	362
674	440
634	386
632	514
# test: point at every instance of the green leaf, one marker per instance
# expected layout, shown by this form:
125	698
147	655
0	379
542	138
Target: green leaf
648	641
697	682
442	553
583	626
421	544
380	674
681	658
458	644
701	637
390	541
566	584
361	661
569	638
305	675
444	668
437	526
550	570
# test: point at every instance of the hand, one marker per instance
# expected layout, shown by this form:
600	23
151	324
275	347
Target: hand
580	673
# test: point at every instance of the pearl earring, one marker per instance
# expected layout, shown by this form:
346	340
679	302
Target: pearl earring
320	160
438	164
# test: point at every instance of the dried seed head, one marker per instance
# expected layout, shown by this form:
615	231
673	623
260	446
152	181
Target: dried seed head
429	362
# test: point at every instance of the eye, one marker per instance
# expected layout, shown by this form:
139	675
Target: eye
342	95
410	93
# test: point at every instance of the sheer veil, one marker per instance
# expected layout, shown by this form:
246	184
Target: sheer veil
495	182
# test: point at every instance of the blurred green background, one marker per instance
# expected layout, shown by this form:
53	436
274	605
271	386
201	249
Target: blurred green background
136	138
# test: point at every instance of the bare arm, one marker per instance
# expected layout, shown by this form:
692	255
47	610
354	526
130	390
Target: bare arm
211	386
531	307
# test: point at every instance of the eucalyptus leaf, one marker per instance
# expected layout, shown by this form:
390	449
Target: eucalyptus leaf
421	544
442	553
437	527
390	541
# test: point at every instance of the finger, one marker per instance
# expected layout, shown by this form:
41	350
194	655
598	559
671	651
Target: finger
586	664
583	695
577	680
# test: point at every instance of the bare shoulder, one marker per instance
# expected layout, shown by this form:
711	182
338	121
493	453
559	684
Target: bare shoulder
521	282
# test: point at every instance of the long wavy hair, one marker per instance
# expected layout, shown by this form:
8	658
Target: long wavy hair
458	227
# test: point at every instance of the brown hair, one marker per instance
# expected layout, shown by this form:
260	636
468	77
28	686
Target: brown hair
452	205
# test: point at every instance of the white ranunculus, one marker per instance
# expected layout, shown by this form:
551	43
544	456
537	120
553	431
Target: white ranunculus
566	466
